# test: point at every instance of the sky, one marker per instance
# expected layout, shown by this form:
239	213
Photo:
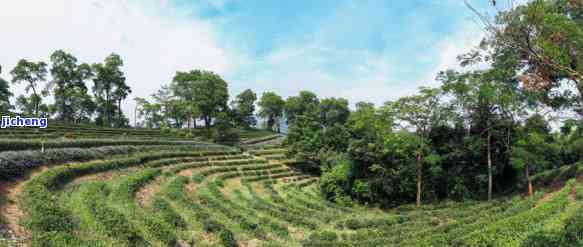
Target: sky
361	50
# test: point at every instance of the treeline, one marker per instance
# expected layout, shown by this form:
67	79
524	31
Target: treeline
485	129
68	86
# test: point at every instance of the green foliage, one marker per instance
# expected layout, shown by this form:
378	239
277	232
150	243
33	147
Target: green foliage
109	87
333	111
306	103
514	230
97	216
32	73
210	95
271	108
163	208
224	132
244	108
335	181
72	102
574	228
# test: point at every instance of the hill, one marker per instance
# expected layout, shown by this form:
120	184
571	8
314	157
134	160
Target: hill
212	195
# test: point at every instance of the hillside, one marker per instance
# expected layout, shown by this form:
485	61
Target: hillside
211	195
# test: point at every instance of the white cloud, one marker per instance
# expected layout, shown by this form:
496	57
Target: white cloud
368	77
464	40
154	39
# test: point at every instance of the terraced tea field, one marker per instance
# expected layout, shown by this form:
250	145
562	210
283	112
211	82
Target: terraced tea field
170	195
57	129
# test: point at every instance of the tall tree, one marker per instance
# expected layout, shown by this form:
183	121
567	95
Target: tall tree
108	76
244	107
542	42
271	108
333	111
489	100
32	73
534	148
120	93
183	87
305	103
210	96
421	112
68	85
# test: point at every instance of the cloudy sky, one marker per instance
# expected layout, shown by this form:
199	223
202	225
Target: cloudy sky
361	50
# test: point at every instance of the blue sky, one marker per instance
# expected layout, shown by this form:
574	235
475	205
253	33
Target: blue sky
361	50
333	47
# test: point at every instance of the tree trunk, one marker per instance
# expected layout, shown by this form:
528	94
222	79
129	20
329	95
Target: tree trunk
189	121
64	109
529	181
119	112
36	101
419	177
207	123
108	109
489	155
270	122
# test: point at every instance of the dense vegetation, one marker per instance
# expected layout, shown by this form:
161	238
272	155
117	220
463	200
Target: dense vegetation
487	128
490	157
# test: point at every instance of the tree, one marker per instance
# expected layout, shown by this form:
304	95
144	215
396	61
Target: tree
108	78
541	42
122	91
82	106
490	102
244	107
5	95
150	112
210	96
27	105
333	111
421	112
305	103
224	132
183	87
69	87
369	123
533	149
271	108
32	73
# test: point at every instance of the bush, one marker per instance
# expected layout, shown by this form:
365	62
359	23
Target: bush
541	239
227	239
163	208
574	228
334	183
21	145
226	136
14	164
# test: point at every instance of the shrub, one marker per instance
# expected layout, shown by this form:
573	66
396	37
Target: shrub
541	239
51	239
335	183
227	239
574	228
163	208
14	164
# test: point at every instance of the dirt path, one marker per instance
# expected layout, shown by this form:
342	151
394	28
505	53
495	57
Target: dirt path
10	213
